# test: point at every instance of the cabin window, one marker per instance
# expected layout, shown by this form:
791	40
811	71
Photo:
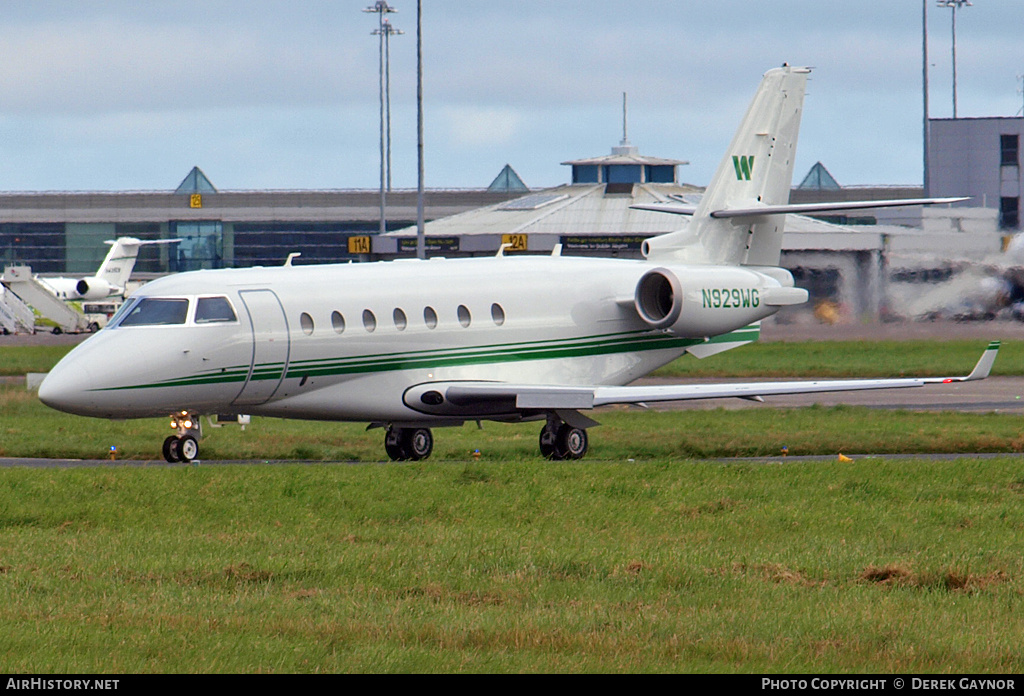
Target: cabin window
153	311
210	310
400	320
464	317
306	322
497	314
338	322
369	321
430	317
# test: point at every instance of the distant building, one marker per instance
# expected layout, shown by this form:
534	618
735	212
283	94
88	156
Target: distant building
64	232
978	157
625	166
591	216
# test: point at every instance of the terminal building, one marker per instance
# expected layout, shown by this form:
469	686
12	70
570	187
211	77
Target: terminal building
65	232
852	259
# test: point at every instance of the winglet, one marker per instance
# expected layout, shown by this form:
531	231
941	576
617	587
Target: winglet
984	366
980	371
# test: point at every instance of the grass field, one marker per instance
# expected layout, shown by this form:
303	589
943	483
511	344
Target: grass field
775	359
520	566
29	429
638	559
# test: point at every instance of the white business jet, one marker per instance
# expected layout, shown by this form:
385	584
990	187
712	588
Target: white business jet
111	278
417	344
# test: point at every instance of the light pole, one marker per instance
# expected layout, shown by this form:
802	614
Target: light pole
421	235
953	5
381	8
924	90
387	32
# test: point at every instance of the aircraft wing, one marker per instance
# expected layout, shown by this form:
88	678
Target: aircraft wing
483	399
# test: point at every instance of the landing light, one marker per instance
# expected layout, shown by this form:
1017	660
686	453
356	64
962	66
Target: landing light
182	420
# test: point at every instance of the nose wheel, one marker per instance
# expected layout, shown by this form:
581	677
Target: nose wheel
183	447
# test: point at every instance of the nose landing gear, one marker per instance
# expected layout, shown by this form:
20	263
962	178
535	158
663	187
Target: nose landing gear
183	447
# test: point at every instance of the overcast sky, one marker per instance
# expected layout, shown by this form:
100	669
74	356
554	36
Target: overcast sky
128	95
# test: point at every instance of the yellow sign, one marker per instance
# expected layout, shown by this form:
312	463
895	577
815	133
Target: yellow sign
195	200
517	242
359	245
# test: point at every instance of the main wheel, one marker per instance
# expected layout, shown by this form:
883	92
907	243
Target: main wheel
571	443
395	446
548	436
417	443
172	449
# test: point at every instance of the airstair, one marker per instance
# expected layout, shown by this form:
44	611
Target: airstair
15	315
19	280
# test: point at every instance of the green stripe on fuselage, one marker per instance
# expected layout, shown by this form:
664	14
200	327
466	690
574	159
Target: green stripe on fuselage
629	342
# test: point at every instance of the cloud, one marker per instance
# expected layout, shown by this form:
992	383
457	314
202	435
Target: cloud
480	127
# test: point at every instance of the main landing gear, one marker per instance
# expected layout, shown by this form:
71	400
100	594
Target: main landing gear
560	441
408	444
183	447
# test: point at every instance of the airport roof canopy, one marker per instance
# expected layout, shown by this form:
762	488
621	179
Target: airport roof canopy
196	182
819	179
508	180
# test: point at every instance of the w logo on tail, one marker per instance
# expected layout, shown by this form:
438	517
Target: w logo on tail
744	165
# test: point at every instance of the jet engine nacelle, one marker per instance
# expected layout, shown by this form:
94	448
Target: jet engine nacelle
93	289
694	302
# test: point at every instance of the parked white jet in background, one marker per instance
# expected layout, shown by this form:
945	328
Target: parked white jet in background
111	278
412	345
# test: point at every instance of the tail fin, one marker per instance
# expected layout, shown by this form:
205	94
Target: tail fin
117	267
757	170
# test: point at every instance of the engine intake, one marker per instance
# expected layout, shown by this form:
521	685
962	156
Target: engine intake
701	301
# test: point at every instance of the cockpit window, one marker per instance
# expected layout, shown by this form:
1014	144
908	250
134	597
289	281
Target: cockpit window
214	309
153	311
122	310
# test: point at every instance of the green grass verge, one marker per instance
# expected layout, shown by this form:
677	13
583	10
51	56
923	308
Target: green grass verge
30	429
774	359
850	359
517	566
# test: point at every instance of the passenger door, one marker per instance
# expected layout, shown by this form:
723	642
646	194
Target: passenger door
270	346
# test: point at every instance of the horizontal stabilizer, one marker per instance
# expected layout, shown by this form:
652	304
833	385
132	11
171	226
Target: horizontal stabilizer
804	208
797	208
131	241
673	208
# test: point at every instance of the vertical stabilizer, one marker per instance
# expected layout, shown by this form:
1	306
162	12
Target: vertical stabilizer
756	170
117	267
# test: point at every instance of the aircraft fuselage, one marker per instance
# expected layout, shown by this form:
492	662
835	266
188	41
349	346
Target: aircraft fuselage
345	342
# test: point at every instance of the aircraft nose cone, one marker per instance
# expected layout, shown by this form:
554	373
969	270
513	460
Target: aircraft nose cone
65	388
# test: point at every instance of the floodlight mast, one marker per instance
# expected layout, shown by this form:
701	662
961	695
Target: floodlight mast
388	31
421	235
384	31
953	5
924	92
